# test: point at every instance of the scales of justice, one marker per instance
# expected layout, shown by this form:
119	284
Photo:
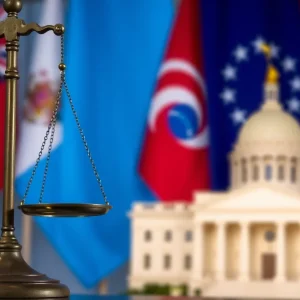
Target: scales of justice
17	279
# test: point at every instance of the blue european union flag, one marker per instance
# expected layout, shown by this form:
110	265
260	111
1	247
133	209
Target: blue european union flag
235	66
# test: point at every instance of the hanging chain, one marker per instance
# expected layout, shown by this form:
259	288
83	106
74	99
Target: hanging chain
50	145
53	123
85	144
80	129
51	127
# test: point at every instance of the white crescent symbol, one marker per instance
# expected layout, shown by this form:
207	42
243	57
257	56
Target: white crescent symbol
172	95
177	94
184	67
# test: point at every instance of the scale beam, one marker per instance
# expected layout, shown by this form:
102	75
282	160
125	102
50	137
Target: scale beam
13	27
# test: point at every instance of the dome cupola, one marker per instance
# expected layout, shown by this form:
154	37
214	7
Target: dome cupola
268	145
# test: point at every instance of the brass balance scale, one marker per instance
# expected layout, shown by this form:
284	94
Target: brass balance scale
17	279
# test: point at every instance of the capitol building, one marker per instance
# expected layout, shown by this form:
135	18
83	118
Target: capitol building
241	243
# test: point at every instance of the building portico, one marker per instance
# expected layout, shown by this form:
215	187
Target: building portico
244	251
251	236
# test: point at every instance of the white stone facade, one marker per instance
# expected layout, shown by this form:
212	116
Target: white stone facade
241	243
170	231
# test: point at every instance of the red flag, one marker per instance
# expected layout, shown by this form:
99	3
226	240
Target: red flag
174	161
3	15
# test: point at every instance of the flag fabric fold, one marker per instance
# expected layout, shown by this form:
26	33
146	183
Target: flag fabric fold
175	158
42	89
112	57
3	16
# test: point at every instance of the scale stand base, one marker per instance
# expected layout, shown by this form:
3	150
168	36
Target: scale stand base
19	281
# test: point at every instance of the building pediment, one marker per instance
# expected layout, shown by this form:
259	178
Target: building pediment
250	198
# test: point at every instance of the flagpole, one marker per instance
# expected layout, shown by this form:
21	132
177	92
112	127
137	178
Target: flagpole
17	279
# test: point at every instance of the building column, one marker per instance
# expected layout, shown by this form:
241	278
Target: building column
233	173
238	173
221	251
198	249
176	260
274	170
298	173
250	169
281	252
244	252
287	170
261	169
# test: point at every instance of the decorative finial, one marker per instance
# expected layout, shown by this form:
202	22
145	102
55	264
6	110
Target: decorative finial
272	75
266	49
12	6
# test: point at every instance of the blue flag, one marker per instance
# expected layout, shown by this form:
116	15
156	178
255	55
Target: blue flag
113	53
235	67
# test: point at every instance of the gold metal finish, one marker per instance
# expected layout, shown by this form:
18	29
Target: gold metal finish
17	279
272	74
65	209
62	66
12	6
62	209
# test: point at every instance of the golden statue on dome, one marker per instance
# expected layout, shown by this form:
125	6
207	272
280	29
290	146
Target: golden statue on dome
272	75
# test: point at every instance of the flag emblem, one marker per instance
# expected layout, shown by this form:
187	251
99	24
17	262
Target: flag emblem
175	158
232	75
184	103
40	103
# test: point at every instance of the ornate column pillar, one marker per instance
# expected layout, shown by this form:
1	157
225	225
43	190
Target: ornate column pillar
281	252
244	252
221	251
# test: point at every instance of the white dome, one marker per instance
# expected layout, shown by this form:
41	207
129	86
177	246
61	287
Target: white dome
270	125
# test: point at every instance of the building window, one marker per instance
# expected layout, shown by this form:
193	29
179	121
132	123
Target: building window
148	236
280	172
269	236
188	236
168	235
293	174
147	261
255	172
268	172
187	262
167	261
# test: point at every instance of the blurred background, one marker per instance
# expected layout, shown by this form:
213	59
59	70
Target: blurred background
161	91
37	248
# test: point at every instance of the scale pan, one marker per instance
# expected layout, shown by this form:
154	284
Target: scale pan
64	209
